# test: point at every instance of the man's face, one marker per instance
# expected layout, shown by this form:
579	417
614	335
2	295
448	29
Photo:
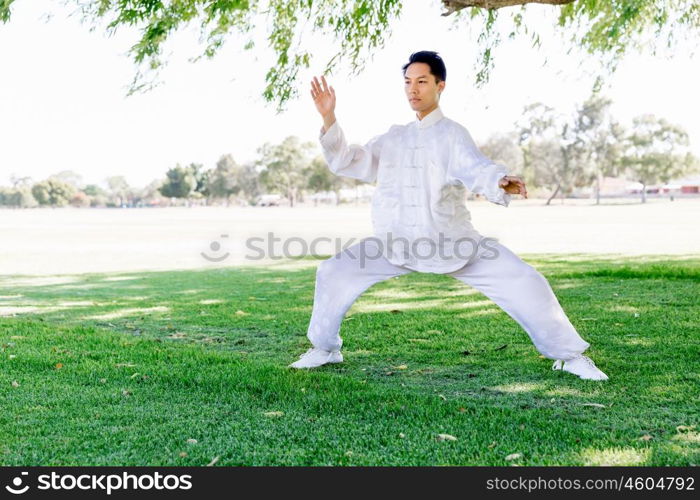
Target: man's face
422	90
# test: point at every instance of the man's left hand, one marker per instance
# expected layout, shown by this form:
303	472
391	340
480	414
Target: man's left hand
513	185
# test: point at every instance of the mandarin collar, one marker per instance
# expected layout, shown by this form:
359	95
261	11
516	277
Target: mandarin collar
430	119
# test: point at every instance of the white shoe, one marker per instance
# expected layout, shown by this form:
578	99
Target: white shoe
316	357
582	366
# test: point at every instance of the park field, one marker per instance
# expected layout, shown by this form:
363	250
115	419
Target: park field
189	367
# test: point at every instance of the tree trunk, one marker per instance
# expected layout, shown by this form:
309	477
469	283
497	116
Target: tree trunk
554	194
644	193
597	189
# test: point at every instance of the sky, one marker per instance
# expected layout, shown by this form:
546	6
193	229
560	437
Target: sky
63	102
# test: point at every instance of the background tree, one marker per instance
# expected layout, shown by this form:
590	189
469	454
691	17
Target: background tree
118	189
80	200
605	29
98	196
223	179
588	146
53	192
179	182
655	151
151	195
17	197
229	179
503	148
201	178
283	167
601	139
69	177
319	178
20	181
541	135
20	194
249	181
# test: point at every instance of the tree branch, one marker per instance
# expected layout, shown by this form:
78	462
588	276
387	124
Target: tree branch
455	5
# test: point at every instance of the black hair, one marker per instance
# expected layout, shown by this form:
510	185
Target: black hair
432	59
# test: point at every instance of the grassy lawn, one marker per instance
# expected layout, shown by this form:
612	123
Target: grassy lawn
130	369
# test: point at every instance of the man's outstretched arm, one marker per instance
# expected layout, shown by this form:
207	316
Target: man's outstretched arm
353	161
480	174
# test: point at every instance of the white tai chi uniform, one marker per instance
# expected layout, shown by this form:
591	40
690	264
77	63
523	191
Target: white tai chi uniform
421	224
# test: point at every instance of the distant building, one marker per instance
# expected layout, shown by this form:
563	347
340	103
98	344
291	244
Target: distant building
611	187
686	185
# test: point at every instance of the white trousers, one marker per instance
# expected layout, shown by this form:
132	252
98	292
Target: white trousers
514	285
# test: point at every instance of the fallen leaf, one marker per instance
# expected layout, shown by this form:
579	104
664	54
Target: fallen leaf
446	437
349	453
273	413
103	381
183	454
191	441
12	356
492	444
15	383
597	405
401	367
645	437
58	366
522	427
402	435
442	396
213	461
514	456
241	313
126	393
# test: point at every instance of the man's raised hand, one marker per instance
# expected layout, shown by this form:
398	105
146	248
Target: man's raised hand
323	96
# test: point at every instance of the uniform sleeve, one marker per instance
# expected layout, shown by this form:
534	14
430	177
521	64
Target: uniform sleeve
353	160
477	172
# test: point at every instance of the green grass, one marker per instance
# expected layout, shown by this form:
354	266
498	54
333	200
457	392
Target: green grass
125	369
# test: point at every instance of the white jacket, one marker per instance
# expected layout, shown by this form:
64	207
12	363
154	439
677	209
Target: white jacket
421	169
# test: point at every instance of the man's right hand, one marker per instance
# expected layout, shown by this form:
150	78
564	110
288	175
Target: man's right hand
324	99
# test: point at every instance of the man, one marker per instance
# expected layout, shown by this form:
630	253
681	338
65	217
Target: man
421	223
